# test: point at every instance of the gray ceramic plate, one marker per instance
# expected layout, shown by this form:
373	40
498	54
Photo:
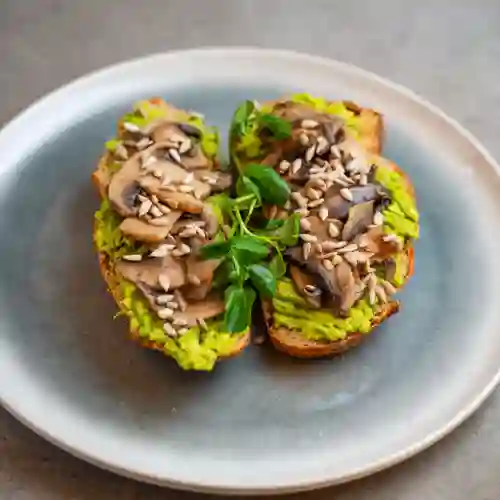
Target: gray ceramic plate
262	423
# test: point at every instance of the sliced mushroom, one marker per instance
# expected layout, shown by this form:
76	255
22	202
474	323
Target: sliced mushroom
347	284
338	206
141	230
373	241
195	311
181	201
190	130
306	286
212	223
147	272
360	217
196	292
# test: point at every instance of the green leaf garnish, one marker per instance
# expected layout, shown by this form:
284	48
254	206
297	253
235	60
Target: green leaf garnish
273	188
215	250
239	301
277	266
281	129
289	232
263	279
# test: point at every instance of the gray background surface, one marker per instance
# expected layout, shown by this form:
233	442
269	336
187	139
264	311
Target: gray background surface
448	51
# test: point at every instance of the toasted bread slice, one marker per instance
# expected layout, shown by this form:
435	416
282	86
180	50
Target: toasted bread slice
295	344
113	285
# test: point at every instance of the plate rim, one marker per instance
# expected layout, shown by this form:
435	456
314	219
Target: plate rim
376	466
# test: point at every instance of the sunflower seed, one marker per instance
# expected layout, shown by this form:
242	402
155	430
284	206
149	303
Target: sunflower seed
296	165
186	188
179	322
299	199
391	238
161	250
193	279
189	178
179	298
312	290
310	153
322	145
329	246
133	257
380	292
312	194
341	182
121	152
144	143
302	211
337	259
284	166
335	151
185	249
305	225
317	183
346	194
131	127
169	330
317	169
174	154
323	213
316	203
203	324
163	208
309	238
351	247
145	208
273	212
328	264
333	230
388	287
303	139
351	258
158	173
308	124
164	299
185	146
363	180
306	250
378	219
188	233
183	331
164	282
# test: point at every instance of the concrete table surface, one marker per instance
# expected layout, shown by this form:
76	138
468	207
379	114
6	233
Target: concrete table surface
446	50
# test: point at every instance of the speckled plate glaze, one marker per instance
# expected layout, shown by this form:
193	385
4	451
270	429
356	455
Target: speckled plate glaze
263	423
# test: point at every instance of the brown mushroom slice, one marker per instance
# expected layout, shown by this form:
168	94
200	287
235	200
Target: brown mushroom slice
212	222
359	218
305	285
205	309
181	201
373	241
196	292
142	230
319	228
338	206
147	272
202	270
347	285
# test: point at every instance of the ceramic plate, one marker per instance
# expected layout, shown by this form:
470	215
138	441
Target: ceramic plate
263	423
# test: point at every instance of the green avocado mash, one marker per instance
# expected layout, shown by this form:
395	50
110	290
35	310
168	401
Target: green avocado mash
196	349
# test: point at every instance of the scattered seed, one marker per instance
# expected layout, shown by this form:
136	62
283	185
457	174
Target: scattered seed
333	230
312	194
145	208
186	188
316	203
351	258
164	282
322	145
185	249
306	250
380	292
305	225
323	213
273	212
351	247
363	180
185	146
144	143
174	154
284	166
302	211
310	153
309	238
155	211
202	323
183	331
169	330
121	152
328	264
337	259
303	139
341	182
131	127
312	290
179	322
388	287
160	251
378	219
346	194
329	246
299	199
317	183
193	279
296	165
189	178
188	233
133	257
180	300
308	124
335	151
391	238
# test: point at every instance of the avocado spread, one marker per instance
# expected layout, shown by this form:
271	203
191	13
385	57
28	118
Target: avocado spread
196	349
